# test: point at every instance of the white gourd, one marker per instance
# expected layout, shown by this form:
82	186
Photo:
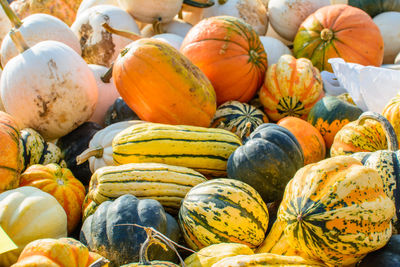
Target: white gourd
388	23
274	49
86	4
170	38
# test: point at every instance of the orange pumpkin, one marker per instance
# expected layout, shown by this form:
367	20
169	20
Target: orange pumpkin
161	85
56	252
291	88
9	153
392	113
311	141
339	31
61	183
230	54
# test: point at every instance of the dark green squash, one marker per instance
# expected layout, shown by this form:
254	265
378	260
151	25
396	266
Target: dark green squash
375	7
119	111
330	114
111	233
267	161
386	162
73	144
388	256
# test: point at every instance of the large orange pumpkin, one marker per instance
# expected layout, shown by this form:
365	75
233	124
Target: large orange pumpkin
161	85
339	31
291	88
230	54
311	141
9	153
60	183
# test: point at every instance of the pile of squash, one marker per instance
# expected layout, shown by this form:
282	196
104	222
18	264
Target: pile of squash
195	133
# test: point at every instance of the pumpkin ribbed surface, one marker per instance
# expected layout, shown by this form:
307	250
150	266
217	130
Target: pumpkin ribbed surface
392	113
266	259
221	211
336	210
339	31
9	152
205	150
161	85
291	88
239	118
231	55
355	137
165	183
60	183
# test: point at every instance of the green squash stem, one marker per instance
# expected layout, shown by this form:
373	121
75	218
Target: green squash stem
391	137
194	3
123	33
15	21
106	78
100	262
18	40
88	153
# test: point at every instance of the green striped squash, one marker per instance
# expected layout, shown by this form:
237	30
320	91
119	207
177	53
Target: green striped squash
165	183
337	211
239	118
35	150
205	150
223	211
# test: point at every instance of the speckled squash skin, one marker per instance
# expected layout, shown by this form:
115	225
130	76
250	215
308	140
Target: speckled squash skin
336	201
392	113
387	164
330	114
223	210
291	88
359	137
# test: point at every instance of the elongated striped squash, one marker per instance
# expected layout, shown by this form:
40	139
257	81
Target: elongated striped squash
35	150
223	211
266	259
165	183
205	150
337	211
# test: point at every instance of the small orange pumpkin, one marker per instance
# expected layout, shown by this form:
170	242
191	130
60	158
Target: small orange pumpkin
61	183
161	85
56	252
291	88
311	141
392	113
230	54
9	153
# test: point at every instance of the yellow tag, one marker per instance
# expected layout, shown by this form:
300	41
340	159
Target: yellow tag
6	244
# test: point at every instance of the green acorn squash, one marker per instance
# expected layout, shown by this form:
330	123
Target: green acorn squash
119	111
267	161
375	7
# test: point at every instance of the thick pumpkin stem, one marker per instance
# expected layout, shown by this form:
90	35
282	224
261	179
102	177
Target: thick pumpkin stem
123	33
100	262
18	40
326	35
106	78
222	2
157	27
15	21
390	133
199	4
88	153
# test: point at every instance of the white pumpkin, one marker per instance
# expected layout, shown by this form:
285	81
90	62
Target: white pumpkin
176	26
98	45
272	33
397	59
287	15
86	4
49	88
170	38
274	49
251	11
5	25
107	93
36	28
99	152
150	11
391	34
27	214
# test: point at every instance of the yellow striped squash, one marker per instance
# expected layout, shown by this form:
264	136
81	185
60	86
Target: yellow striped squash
266	259
223	211
337	211
205	150
164	183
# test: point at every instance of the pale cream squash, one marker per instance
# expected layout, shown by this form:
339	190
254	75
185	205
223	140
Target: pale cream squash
176	26
391	34
98	45
86	4
27	214
274	49
170	38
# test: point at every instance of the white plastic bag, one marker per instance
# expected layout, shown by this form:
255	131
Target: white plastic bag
371	88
